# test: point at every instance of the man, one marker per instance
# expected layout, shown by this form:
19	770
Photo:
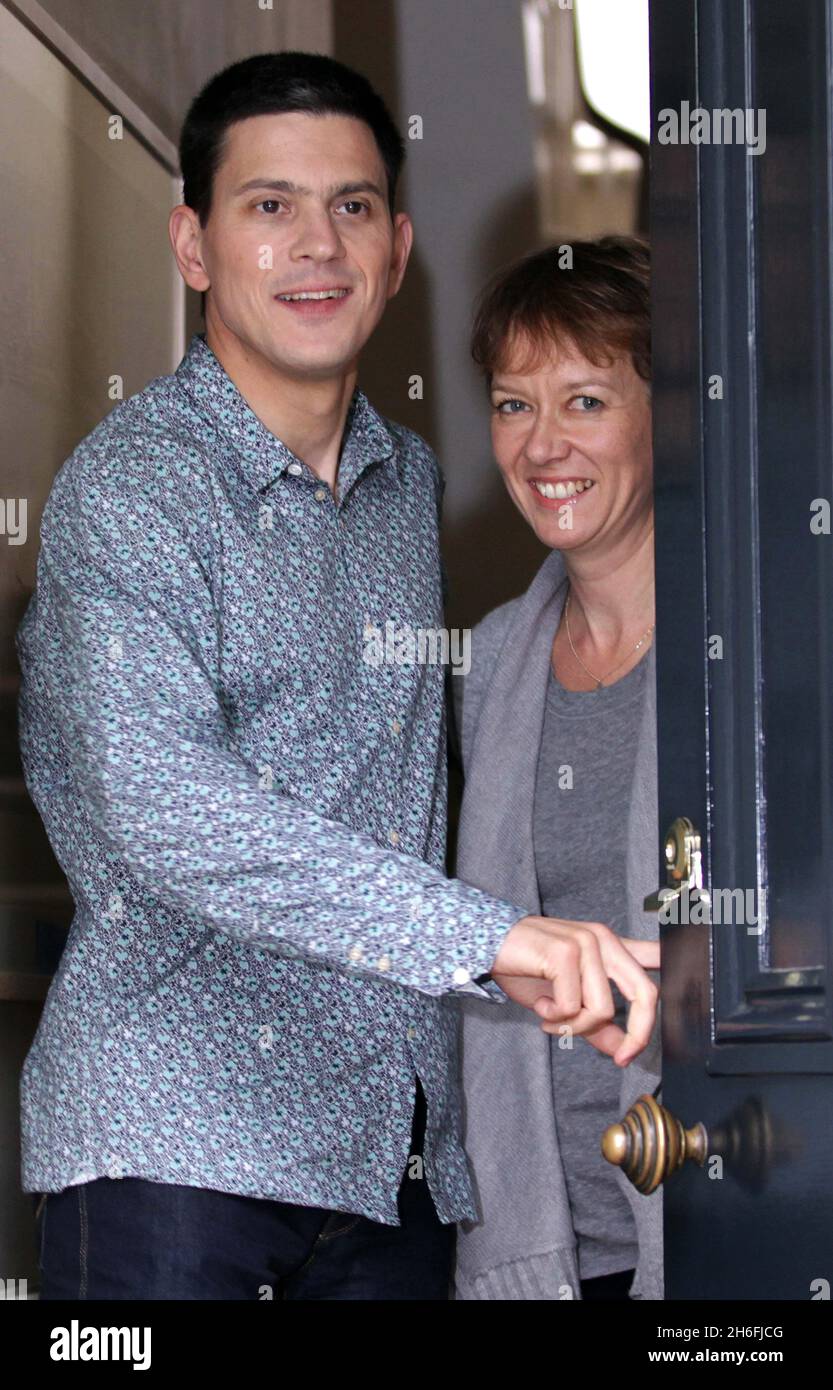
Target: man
225	1086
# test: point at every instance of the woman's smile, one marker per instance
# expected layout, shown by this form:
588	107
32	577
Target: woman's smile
555	492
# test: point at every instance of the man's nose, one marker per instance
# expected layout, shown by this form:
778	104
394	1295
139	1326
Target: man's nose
317	235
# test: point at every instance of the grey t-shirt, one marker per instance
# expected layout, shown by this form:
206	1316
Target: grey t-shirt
582	796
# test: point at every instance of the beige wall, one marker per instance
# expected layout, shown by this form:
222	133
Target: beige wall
160	52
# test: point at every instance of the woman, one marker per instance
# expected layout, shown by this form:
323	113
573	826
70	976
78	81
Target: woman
556	725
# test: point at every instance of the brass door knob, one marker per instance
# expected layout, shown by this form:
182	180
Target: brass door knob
650	1144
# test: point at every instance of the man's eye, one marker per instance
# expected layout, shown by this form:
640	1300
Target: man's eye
268	203
510	401
363	207
594	401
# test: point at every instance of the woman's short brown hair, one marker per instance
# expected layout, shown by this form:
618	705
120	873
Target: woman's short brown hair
590	294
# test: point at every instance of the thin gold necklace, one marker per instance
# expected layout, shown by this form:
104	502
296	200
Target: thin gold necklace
599	679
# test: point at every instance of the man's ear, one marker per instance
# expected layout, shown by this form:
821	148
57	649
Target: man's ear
403	240
185	235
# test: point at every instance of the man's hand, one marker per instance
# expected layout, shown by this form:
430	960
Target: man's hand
561	970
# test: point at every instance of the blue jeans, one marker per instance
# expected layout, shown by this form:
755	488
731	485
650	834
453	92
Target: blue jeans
127	1238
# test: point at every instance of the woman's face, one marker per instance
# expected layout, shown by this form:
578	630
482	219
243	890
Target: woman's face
573	442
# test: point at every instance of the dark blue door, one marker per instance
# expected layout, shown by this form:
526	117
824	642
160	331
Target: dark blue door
742	260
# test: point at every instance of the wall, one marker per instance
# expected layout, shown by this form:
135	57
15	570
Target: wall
160	52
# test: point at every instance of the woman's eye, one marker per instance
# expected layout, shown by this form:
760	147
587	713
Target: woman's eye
511	401
594	401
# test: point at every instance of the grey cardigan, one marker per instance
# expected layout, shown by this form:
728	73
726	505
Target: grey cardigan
523	1246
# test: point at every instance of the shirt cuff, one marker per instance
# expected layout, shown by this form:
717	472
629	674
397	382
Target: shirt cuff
478	943
484	987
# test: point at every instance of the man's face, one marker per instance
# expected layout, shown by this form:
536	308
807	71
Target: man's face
300	205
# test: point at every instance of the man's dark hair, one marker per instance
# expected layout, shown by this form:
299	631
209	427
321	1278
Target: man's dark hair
270	84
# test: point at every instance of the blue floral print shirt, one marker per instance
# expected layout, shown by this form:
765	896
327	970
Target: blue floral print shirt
250	812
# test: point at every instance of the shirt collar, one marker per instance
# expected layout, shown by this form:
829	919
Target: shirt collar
262	456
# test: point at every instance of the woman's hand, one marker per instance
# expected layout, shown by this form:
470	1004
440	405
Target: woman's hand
561	970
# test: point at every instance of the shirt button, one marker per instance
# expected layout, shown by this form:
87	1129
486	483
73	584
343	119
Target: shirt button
383	963
320	494
411	1032
355	953
294	468
393	836
461	976
395	726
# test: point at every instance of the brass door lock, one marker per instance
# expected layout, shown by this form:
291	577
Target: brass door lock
683	867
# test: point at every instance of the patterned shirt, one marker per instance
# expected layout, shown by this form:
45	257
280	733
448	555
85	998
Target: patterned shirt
248	800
